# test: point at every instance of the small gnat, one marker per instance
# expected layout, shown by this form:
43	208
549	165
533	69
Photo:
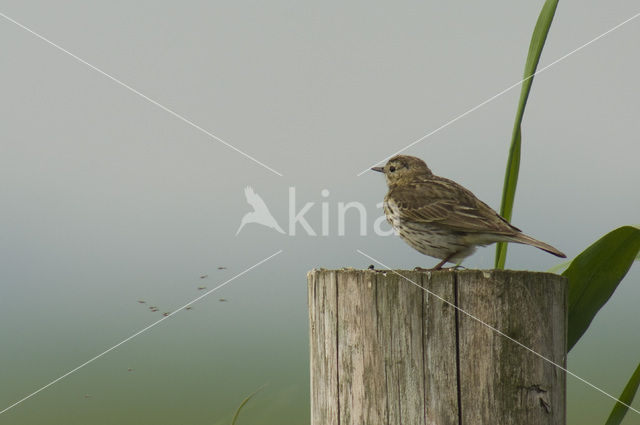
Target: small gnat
487	275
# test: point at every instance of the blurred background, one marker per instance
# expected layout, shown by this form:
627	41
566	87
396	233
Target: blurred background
108	200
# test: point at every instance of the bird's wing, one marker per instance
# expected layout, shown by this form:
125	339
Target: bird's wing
443	202
254	199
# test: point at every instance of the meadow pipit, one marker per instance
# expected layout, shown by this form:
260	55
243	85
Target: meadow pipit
440	218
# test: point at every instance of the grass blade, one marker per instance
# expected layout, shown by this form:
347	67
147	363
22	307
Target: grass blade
245	401
629	392
513	162
595	274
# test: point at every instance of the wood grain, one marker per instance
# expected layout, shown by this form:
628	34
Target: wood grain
390	348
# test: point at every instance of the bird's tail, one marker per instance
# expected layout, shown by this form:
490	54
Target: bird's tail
528	240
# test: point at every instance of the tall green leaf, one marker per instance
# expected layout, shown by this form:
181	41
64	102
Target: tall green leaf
513	162
595	274
619	410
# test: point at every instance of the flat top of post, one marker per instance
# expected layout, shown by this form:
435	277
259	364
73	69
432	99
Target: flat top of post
487	273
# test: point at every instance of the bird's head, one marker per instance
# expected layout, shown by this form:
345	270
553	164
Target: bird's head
403	168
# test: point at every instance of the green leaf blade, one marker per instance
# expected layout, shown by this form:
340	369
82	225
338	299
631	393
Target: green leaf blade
536	45
509	194
595	274
629	392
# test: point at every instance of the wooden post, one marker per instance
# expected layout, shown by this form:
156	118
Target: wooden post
385	351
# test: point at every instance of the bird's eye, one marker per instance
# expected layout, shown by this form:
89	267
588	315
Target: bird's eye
392	168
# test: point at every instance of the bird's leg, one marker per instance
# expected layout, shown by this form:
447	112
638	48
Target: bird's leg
442	263
439	265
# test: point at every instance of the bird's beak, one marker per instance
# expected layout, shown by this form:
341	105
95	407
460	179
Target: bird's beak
378	169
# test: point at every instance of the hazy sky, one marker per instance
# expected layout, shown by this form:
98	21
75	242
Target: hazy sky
107	198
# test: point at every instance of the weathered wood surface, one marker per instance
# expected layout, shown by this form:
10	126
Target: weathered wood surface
386	351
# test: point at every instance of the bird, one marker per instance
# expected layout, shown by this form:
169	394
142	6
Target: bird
260	213
440	218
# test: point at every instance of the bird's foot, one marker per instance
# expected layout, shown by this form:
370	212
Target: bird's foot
422	269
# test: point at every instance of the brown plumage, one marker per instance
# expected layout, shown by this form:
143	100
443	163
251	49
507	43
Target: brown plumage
440	218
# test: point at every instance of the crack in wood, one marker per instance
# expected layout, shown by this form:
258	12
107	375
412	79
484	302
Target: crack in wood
457	322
